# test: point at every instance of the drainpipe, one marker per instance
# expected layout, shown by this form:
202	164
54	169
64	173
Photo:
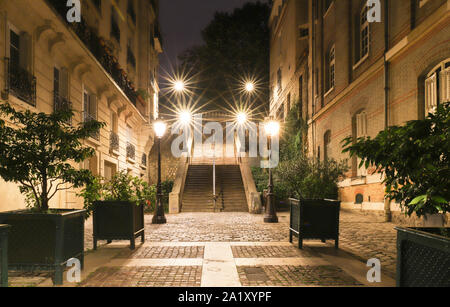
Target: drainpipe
387	202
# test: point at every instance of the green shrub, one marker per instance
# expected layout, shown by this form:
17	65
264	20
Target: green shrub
415	161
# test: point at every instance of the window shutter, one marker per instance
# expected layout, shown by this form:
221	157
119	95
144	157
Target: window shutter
25	51
445	85
430	94
64	83
93	106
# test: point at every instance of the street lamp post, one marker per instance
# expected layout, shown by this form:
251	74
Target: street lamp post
159	217
272	129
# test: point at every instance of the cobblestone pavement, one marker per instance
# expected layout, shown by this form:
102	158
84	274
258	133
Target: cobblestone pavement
145	276
164	252
367	236
261	254
291	276
363	235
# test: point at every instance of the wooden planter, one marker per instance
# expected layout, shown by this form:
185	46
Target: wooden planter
423	257
314	219
118	220
40	241
4	229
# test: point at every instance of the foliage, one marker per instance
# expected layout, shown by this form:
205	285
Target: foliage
297	175
166	187
36	150
236	46
123	187
415	161
309	178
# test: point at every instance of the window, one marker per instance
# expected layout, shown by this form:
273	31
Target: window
331	69
90	110
131	59
61	89
326	145
279	81
110	170
114	144
303	32
360	131
115	29
437	87
300	96
20	81
364	33
131	12
327	4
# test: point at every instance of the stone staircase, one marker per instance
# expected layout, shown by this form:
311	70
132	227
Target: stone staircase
233	193
198	191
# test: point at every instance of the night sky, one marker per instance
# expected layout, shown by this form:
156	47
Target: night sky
182	22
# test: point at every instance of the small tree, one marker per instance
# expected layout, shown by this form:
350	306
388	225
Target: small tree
35	151
415	161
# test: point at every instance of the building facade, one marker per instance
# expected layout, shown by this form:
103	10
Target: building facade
104	66
354	77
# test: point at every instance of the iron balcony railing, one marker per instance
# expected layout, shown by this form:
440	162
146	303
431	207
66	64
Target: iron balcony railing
131	151
20	82
114	141
88	117
97	46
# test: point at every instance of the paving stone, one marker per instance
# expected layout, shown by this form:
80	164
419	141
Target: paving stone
164	252
168	276
268	252
289	276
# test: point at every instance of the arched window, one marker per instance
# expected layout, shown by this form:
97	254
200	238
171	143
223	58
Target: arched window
437	86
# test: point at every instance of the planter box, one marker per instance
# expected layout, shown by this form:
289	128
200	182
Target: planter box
314	219
423	257
4	229
45	242
118	220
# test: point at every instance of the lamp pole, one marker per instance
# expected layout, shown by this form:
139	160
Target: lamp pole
271	214
159	217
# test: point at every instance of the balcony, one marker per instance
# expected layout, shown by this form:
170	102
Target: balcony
131	151
20	83
89	117
99	50
114	142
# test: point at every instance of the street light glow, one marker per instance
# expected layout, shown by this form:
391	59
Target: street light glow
241	118
185	117
179	86
160	128
272	128
249	87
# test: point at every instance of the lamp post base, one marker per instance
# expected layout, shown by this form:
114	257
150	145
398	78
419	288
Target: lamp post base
271	219
159	219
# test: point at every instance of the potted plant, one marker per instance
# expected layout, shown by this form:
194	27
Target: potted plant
315	210
414	159
118	208
36	150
